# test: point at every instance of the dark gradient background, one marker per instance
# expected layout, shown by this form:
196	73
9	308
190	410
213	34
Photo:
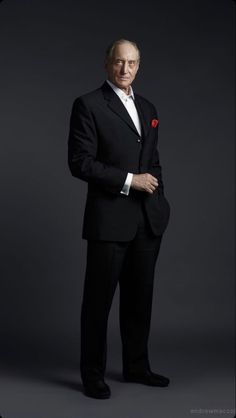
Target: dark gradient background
50	53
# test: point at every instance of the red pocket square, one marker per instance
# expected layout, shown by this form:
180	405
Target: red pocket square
154	123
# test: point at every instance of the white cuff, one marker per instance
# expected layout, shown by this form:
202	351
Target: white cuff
126	187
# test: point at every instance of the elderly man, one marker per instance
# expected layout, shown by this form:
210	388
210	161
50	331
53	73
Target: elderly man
113	147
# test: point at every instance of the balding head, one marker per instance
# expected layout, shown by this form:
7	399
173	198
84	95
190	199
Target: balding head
110	49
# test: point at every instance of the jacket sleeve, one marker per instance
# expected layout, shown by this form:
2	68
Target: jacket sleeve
82	152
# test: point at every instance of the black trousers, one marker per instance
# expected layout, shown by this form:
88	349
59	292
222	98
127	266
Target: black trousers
132	265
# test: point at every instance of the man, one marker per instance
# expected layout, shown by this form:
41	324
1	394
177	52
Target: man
113	147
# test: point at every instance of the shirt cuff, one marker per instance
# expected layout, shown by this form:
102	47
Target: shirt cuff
126	187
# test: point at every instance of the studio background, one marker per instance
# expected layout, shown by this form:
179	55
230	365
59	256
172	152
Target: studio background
53	52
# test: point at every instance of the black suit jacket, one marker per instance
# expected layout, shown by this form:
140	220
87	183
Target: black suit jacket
103	147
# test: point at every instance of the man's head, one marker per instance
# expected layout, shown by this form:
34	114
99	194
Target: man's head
122	63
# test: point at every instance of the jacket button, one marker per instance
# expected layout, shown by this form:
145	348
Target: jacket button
138	140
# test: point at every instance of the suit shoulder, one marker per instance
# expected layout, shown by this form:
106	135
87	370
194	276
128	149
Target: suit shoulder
88	98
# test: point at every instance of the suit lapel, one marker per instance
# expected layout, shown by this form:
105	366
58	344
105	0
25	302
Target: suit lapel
142	116
115	104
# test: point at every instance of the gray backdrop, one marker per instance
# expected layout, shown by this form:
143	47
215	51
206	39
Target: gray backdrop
52	52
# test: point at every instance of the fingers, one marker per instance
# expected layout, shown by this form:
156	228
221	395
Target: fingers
151	183
154	181
150	189
144	182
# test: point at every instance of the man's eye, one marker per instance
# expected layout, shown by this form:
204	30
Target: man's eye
131	63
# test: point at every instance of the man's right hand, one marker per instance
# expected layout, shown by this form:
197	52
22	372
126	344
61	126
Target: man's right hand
144	182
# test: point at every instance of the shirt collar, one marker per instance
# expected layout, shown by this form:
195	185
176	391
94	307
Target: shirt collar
122	95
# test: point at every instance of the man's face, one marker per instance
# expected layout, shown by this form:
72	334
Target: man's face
122	67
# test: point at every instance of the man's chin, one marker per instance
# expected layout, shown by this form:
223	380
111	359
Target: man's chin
123	84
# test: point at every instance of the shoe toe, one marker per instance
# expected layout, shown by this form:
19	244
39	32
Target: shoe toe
97	389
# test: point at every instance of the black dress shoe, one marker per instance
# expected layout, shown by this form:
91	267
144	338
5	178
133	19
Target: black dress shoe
97	389
147	378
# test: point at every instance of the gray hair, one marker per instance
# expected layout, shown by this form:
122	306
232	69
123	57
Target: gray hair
112	46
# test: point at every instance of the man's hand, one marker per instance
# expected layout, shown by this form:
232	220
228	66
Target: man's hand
144	183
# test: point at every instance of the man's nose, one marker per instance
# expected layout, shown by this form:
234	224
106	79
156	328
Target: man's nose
124	68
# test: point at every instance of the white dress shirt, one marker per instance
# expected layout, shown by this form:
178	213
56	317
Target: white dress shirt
128	102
